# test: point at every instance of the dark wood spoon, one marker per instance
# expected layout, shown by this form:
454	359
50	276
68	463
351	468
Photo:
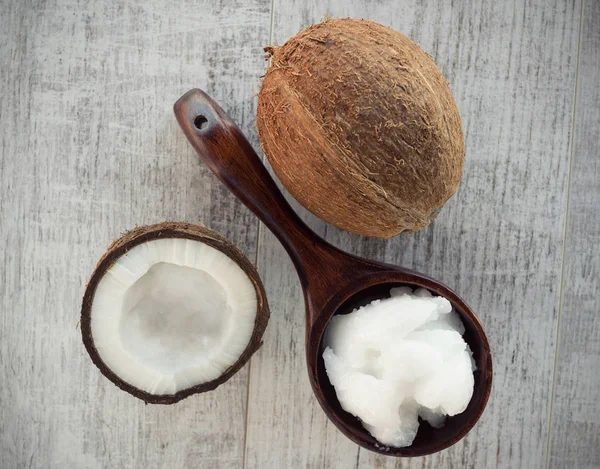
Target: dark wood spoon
334	282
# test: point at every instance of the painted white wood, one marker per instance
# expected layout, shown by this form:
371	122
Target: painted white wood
89	149
576	415
499	241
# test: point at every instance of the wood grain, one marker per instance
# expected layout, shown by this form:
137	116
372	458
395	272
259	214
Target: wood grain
511	67
90	148
575	420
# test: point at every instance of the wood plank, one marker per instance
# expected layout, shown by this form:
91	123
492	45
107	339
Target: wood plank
576	414
511	67
90	148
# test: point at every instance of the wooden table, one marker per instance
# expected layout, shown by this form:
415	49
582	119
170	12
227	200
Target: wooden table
90	148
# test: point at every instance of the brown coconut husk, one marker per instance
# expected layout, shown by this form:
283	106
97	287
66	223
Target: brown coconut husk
361	128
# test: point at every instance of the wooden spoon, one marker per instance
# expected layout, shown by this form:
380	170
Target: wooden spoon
334	282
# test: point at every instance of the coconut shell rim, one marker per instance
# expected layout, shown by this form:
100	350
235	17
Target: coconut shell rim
140	235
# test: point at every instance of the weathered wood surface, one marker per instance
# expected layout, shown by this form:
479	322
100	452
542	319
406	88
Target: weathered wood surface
89	148
499	242
575	439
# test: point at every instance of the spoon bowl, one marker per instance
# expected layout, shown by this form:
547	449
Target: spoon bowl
428	440
333	282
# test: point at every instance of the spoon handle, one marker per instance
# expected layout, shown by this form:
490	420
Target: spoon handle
225	150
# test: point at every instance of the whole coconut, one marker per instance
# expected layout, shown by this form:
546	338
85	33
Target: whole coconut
361	128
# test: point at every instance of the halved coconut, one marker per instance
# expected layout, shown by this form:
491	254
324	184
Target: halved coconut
172	310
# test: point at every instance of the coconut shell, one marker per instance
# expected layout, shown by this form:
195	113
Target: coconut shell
361	128
173	230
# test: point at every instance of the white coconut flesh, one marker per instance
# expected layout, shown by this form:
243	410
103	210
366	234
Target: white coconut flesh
171	314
